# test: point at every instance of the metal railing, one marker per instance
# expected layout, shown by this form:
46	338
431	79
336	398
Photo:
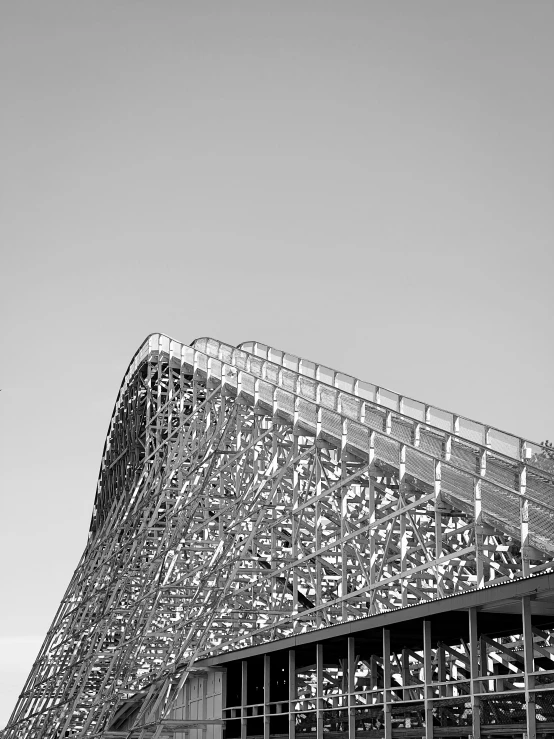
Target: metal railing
464	468
493	438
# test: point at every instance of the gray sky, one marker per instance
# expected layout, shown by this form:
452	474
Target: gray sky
367	184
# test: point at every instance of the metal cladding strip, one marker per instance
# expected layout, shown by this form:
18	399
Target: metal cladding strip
495	439
523	449
468	460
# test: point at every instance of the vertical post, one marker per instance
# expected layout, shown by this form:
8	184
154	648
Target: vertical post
319	421
441	660
363	407
388	422
372	537
238	444
428	679
294	532
474	673
438	523
372	518
204	682
257	393
161	373
274	543
456	425
292	693
343	517
374	673
447	452
186	694
403	528
319	687
529	662
524	522
405	675
483	661
318	539
372	533
351	687
296	416
267	697
478	514
387	698
243	698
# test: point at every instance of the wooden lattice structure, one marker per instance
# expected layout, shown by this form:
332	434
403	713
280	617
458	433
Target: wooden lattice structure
249	497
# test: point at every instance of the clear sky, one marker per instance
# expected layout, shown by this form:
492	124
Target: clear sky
368	184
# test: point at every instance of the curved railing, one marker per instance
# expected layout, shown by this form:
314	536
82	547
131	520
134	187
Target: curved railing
493	438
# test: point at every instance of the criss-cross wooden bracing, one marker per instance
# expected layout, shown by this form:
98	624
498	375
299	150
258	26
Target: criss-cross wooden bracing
247	498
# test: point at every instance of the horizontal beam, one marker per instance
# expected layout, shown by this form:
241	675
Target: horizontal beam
463	601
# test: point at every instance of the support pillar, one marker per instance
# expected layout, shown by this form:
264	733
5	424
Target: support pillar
343	520
292	693
351	687
529	662
294	531
267	668
403	523
374	673
405	674
479	538
318	539
204	729
243	698
441	662
474	673
387	697
372	538
319	687
428	679
438	523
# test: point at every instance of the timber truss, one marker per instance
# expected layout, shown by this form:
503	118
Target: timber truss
246	496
